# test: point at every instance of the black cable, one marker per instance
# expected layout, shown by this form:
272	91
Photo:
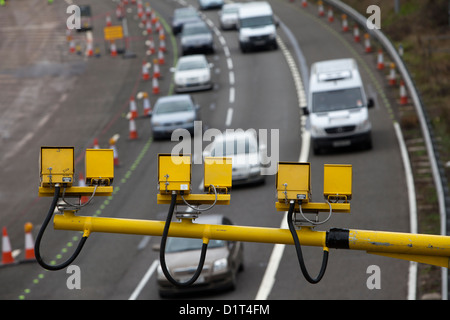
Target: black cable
41	233
162	259
298	248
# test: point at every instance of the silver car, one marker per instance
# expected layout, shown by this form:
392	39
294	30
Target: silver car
196	37
224	259
245	152
173	112
182	16
228	16
192	73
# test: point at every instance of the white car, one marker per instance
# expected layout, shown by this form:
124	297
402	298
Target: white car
228	16
246	155
192	73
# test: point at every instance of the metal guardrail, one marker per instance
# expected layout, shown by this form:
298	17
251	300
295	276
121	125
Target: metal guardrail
438	172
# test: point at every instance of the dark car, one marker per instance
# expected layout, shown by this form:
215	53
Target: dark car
196	37
182	16
224	259
174	112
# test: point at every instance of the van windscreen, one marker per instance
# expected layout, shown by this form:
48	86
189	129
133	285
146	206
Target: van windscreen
256	22
335	100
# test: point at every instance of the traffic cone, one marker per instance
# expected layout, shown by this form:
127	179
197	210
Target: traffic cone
156	71
82	183
367	45
89	49
151	46
157	25
330	15
147	105
356	36
403	95
29	242
108	21
161	59
153	17
148	10
380	60
132	128
96	146
155	85
145	73
148	26
304	3
72	46
113	49
162	35
392	75
7	257
112	145
320	8
344	23
162	46
133	108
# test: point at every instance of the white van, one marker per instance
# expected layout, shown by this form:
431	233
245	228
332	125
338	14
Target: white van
257	26
338	107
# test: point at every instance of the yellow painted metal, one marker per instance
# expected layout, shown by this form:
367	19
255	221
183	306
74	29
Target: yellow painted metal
76	191
403	243
416	247
187	229
195	199
293	181
99	166
174	173
56	166
314	207
337	181
217	172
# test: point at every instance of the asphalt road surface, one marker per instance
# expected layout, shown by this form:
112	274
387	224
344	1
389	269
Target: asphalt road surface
52	97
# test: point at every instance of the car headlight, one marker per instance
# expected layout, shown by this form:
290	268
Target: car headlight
220	265
243	38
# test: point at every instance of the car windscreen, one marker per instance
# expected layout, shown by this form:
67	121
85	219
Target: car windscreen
232	147
187	244
336	100
189	30
256	22
172	106
185	13
191	65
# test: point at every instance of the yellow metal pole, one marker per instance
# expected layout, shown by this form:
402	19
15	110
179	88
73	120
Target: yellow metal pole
429	249
187	229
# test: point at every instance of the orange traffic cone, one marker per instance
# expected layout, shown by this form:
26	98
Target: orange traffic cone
380	60
7	257
89	49
112	145
29	242
344	23
356	36
108	21
156	71
367	45
72	46
320	8
147	105
113	49
148	26
392	75
162	46
145	74
330	15
96	146
403	95
151	46
155	86
133	132
82	183
161	59
133	108
304	3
